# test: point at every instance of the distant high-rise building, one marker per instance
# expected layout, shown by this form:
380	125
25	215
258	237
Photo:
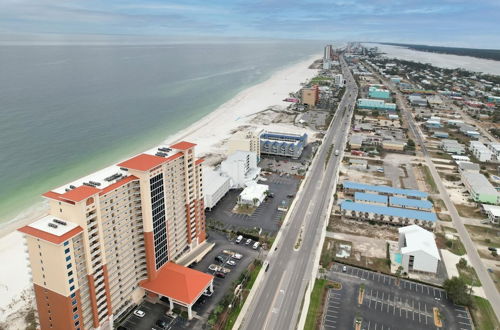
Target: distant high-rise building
112	238
328	53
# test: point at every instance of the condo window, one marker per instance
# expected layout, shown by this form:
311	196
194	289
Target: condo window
71	288
70	273
68	266
66	251
75	316
73	295
66	243
71	280
68	258
73	302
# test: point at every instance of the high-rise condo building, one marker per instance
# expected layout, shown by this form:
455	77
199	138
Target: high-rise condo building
114	237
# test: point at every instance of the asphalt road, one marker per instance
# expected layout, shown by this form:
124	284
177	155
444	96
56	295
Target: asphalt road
489	287
277	300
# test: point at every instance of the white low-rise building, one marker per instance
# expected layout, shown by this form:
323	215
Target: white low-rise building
418	250
495	149
493	212
241	167
254	194
215	186
480	151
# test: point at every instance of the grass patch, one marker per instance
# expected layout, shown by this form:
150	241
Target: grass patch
469	212
485	235
429	179
316	305
439	205
444	217
469	275
455	246
482	313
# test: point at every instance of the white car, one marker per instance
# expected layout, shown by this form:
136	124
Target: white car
231	263
237	256
139	313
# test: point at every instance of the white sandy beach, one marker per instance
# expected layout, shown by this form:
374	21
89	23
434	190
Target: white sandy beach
440	60
209	133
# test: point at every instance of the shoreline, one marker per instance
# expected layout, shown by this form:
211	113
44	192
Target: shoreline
30	213
209	133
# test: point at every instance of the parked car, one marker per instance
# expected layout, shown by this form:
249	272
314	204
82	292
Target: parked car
219	258
248	241
237	256
139	313
256	245
492	249
231	263
207	293
220	275
290	195
161	323
238	239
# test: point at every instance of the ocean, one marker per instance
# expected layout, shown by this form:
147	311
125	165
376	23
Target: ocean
67	111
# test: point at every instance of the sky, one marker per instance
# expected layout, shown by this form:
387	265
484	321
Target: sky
462	23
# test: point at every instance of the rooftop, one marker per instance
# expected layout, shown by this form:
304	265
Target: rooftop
370	197
183	145
417	203
179	283
479	183
384	189
389	211
52	229
419	239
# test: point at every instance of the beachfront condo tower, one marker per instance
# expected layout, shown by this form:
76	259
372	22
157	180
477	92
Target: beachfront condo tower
118	236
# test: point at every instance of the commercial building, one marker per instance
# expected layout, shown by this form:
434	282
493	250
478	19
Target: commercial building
432	124
495	149
464	166
375	105
410	203
351	187
493	212
417	100
452	147
480	189
111	238
282	144
396	79
418	250
310	95
393	145
368	198
494	99
215	186
440	135
389	215
377	92
248	140
480	151
241	167
339	80
468	130
254	194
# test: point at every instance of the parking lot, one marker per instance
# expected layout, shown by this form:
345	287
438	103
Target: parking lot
205	304
266	216
388	303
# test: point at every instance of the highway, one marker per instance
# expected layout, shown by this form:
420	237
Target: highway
489	287
277	300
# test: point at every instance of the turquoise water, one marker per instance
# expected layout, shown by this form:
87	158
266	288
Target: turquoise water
69	110
398	258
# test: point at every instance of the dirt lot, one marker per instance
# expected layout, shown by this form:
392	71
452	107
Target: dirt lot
358	228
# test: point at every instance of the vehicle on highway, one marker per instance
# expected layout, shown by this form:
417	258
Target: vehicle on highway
231	263
290	195
492	249
248	241
238	239
336	152
220	275
256	245
344	269
139	313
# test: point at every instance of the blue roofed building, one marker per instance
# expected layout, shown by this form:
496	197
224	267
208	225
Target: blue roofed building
410	203
374	104
389	215
282	144
351	187
370	198
377	92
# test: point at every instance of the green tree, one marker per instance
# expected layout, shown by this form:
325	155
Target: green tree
458	291
410	144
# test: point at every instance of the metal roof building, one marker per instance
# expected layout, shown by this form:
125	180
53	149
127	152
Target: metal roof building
389	211
419	204
384	189
370	198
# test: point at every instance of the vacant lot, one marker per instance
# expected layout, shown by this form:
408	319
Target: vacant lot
485	235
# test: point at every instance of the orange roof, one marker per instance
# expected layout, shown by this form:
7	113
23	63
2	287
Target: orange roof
183	145
199	161
79	193
117	184
48	236
143	162
179	283
56	196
